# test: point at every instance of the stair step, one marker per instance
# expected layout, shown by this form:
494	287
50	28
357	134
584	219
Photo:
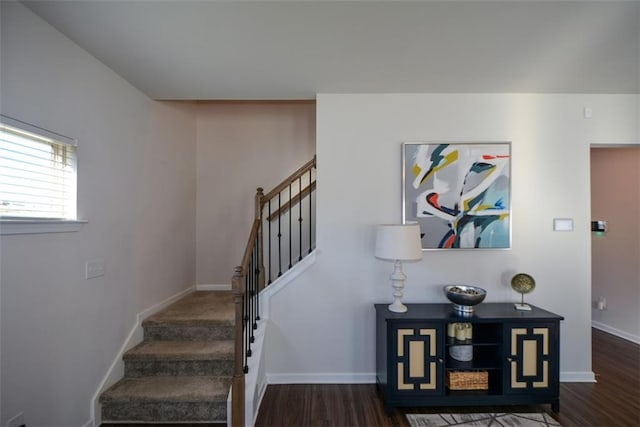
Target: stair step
175	358
168	332
182	370
198	307
200	316
181	350
166	399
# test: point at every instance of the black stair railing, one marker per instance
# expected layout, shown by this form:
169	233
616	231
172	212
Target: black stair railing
249	277
293	201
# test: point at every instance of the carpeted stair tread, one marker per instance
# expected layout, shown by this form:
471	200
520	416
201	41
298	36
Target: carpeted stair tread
168	389
181	350
197	308
181	371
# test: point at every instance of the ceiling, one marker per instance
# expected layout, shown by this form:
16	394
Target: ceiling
294	49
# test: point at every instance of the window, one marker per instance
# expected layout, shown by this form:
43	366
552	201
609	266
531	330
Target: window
37	173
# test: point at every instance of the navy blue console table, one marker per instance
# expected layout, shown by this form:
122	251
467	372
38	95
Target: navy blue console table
517	351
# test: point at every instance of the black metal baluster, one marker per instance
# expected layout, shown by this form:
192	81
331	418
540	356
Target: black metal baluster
251	293
290	215
279	234
310	212
269	239
247	319
300	214
251	278
257	273
244	329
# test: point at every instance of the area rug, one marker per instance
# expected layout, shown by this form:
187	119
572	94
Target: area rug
482	420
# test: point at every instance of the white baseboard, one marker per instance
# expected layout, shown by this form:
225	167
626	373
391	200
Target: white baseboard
116	370
205	287
348	378
262	389
617	332
577	377
365	378
255	377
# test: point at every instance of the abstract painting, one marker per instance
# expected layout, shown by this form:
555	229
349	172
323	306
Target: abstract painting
459	193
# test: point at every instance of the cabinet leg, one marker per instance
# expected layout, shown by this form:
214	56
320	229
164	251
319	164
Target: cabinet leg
555	406
389	409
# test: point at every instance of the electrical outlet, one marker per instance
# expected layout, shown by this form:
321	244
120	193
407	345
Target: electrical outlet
94	268
600	304
16	421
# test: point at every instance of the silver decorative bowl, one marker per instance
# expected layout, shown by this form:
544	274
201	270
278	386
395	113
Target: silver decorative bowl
464	298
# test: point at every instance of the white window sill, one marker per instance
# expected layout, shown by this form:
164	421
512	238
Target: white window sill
37	226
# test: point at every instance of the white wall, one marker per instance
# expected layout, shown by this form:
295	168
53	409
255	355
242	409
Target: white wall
136	187
322	326
240	147
615	198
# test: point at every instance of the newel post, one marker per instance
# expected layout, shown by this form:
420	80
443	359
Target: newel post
258	207
237	396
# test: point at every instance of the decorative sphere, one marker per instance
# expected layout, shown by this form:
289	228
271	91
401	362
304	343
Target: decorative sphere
523	283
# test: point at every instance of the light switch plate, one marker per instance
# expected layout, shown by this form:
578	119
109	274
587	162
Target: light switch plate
563	224
94	268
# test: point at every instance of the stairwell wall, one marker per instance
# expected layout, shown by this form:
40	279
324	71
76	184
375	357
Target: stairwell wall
136	187
242	146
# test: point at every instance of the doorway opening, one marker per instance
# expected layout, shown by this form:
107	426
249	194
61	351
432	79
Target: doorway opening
615	240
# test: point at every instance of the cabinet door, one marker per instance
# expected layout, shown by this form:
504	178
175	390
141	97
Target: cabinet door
416	365
532	358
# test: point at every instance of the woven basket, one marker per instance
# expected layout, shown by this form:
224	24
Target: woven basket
464	380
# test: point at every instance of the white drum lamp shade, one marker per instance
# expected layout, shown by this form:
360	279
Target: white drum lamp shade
397	243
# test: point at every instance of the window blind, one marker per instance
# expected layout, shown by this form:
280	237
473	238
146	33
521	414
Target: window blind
37	172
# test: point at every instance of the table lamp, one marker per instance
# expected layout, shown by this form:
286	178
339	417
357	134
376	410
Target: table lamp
397	243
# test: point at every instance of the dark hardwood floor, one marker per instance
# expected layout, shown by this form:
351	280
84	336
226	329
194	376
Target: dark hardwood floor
614	401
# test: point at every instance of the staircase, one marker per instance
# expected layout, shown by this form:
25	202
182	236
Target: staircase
181	372
196	348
